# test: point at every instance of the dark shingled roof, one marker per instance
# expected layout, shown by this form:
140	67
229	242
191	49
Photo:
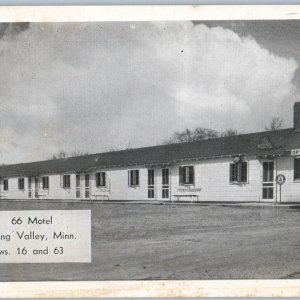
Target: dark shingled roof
248	144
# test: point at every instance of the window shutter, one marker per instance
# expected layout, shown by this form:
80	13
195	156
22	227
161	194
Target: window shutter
61	181
137	177
244	172
104	179
184	175
296	168
180	175
231	173
96	181
128	178
191	175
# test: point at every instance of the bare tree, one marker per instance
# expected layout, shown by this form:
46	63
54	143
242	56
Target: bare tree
229	132
275	124
63	154
198	134
188	135
60	154
78	153
127	147
181	137
204	134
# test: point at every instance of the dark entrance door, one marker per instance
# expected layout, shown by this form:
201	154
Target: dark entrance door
268	180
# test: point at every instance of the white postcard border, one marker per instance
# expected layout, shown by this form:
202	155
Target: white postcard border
162	288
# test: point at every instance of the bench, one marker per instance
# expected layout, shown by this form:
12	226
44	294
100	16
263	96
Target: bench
42	194
101	197
188	193
3	196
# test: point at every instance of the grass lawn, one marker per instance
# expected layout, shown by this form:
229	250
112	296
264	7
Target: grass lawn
137	241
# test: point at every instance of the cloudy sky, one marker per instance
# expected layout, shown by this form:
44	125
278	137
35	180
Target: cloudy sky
100	86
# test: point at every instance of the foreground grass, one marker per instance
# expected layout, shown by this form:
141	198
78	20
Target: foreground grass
175	242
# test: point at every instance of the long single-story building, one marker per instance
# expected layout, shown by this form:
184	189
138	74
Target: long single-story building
236	168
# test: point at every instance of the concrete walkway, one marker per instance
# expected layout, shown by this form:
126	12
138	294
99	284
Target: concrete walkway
179	203
214	203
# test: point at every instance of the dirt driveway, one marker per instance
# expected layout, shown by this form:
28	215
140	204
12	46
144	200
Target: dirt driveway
176	242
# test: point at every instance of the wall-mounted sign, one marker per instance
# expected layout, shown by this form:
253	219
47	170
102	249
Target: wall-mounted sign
295	152
280	179
236	159
265	143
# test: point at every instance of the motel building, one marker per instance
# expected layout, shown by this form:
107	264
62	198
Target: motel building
237	168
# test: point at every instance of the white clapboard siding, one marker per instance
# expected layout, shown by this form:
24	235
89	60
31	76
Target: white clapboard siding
211	176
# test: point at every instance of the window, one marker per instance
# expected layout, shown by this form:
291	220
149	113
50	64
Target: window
165	193
297	169
29	187
238	172
77	180
5	184
100	179
45	180
165	176
87	185
150	184
21	183
165	183
268	171
186	175
66	181
77	185
133	179
36	187
87	180
150	177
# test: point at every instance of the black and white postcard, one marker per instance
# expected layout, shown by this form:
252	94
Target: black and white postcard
150	151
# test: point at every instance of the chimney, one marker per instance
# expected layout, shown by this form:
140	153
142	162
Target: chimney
297	116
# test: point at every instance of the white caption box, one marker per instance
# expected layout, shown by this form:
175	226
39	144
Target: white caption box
45	236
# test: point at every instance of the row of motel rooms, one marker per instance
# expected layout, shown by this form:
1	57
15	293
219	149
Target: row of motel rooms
237	168
87	189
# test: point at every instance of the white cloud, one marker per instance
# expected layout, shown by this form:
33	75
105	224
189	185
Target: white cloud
97	86
220	74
